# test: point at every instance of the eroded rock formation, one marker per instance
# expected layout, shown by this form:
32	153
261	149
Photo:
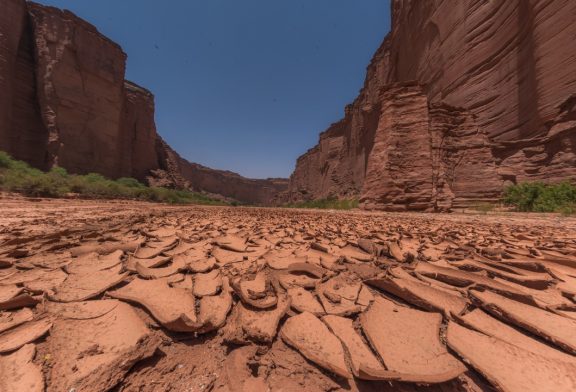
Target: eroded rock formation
510	66
427	157
65	101
177	170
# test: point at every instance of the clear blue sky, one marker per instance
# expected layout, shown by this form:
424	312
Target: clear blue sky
243	85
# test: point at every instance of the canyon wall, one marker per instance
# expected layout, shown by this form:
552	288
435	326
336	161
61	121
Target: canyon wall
22	132
503	71
65	101
427	157
220	182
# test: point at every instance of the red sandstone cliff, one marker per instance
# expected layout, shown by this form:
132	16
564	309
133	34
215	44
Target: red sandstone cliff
64	101
176	170
22	132
510	69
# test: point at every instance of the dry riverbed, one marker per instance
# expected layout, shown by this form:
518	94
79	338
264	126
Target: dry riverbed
127	296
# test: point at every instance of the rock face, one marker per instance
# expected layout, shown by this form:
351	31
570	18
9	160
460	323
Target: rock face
80	76
433	157
177	170
139	132
21	130
65	102
499	78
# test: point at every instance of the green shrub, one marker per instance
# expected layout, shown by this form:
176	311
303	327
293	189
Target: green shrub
568	210
17	176
5	160
540	197
130	182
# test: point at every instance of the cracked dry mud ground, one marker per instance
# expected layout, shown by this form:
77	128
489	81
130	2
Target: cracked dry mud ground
126	296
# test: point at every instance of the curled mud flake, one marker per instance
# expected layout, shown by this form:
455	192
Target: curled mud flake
355	254
174	308
306	268
509	367
247	324
22	276
225	257
359	353
319	247
80	310
490	326
162	272
288	280
83	286
232	243
304	301
204	265
463	279
207	284
257	292
105	248
282	261
9	320
8	292
393	250
421	295
155	262
533	280
556	329
47	283
93	262
101	350
6	263
166	243
213	310
408	342
369	247
14	297
19	372
181	248
26	333
310	336
338	295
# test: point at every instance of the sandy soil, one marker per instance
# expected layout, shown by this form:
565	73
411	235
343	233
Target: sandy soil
127	296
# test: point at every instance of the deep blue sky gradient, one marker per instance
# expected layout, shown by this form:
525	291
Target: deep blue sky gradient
243	85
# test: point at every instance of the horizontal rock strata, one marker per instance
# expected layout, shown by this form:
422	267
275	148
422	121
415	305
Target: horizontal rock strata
509	65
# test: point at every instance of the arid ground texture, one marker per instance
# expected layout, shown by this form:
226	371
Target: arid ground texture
128	296
463	101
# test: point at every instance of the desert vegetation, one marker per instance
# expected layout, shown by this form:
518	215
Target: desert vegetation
330	203
17	176
541	197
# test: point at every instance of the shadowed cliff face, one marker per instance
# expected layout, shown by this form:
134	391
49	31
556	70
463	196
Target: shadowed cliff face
65	102
21	129
510	69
